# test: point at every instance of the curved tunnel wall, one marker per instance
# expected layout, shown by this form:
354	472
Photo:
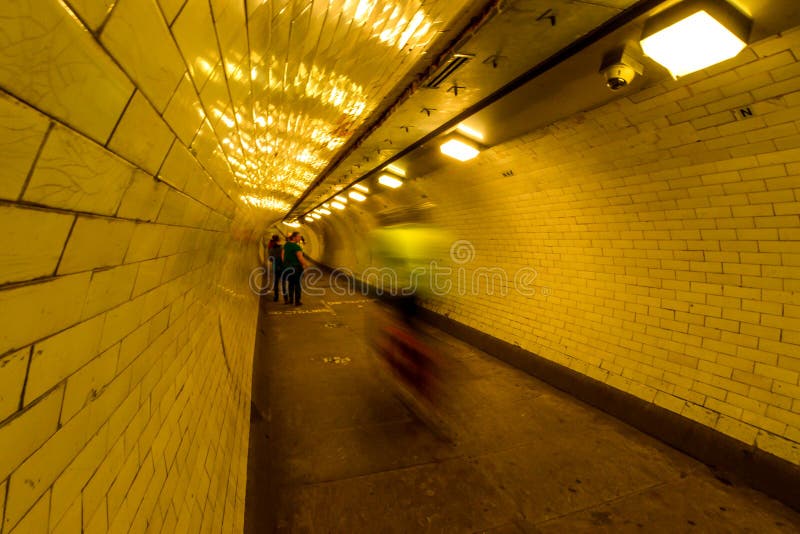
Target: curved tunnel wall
664	229
127	324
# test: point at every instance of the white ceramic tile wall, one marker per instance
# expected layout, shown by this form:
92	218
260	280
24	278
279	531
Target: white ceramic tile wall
128	326
664	229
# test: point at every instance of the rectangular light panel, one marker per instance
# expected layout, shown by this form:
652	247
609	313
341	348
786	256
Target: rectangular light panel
389	181
458	150
694	43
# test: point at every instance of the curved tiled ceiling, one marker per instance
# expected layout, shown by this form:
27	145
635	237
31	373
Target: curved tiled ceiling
519	35
520	41
285	87
316	72
271	96
282	102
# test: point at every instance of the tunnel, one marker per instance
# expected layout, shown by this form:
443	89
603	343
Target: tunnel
603	333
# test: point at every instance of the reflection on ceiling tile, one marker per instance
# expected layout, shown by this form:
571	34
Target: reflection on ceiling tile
316	71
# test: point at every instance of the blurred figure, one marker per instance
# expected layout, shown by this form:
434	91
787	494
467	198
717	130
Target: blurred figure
405	251
274	251
293	264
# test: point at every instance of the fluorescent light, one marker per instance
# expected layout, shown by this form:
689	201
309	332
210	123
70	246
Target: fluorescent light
362	188
455	148
389	181
466	130
695	35
316	215
341	198
309	218
337	205
293	224
324	211
355	195
395	169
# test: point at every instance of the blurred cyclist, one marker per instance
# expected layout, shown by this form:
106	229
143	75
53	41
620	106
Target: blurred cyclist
408	247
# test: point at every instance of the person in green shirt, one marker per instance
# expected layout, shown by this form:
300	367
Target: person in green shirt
293	264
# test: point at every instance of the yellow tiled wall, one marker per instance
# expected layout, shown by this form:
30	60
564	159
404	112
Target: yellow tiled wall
127	323
664	231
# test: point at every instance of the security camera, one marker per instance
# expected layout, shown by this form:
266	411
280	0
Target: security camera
620	67
618	75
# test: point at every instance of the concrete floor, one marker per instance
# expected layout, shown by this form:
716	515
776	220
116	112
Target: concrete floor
332	449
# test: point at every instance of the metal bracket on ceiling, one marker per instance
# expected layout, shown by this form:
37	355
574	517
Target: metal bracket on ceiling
455	87
406	128
494	59
548	15
427	111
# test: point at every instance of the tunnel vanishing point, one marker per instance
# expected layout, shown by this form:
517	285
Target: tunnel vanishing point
623	230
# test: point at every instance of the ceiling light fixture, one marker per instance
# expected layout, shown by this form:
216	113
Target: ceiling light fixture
337	205
390	181
361	187
355	195
316	215
341	198
396	170
460	148
292	224
309	218
324	211
469	132
695	34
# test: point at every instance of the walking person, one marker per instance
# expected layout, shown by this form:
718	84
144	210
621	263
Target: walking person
274	252
293	264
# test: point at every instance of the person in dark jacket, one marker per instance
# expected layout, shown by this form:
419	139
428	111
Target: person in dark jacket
275	251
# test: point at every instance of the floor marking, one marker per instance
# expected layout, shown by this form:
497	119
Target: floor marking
359	301
301	312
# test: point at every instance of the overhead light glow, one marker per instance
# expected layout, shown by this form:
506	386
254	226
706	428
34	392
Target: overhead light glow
316	215
466	130
355	195
337	205
324	211
292	224
341	198
309	218
458	149
695	35
265	202
389	181
361	187
395	169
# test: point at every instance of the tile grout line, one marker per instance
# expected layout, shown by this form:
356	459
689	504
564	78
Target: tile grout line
64	247
25	383
35	162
